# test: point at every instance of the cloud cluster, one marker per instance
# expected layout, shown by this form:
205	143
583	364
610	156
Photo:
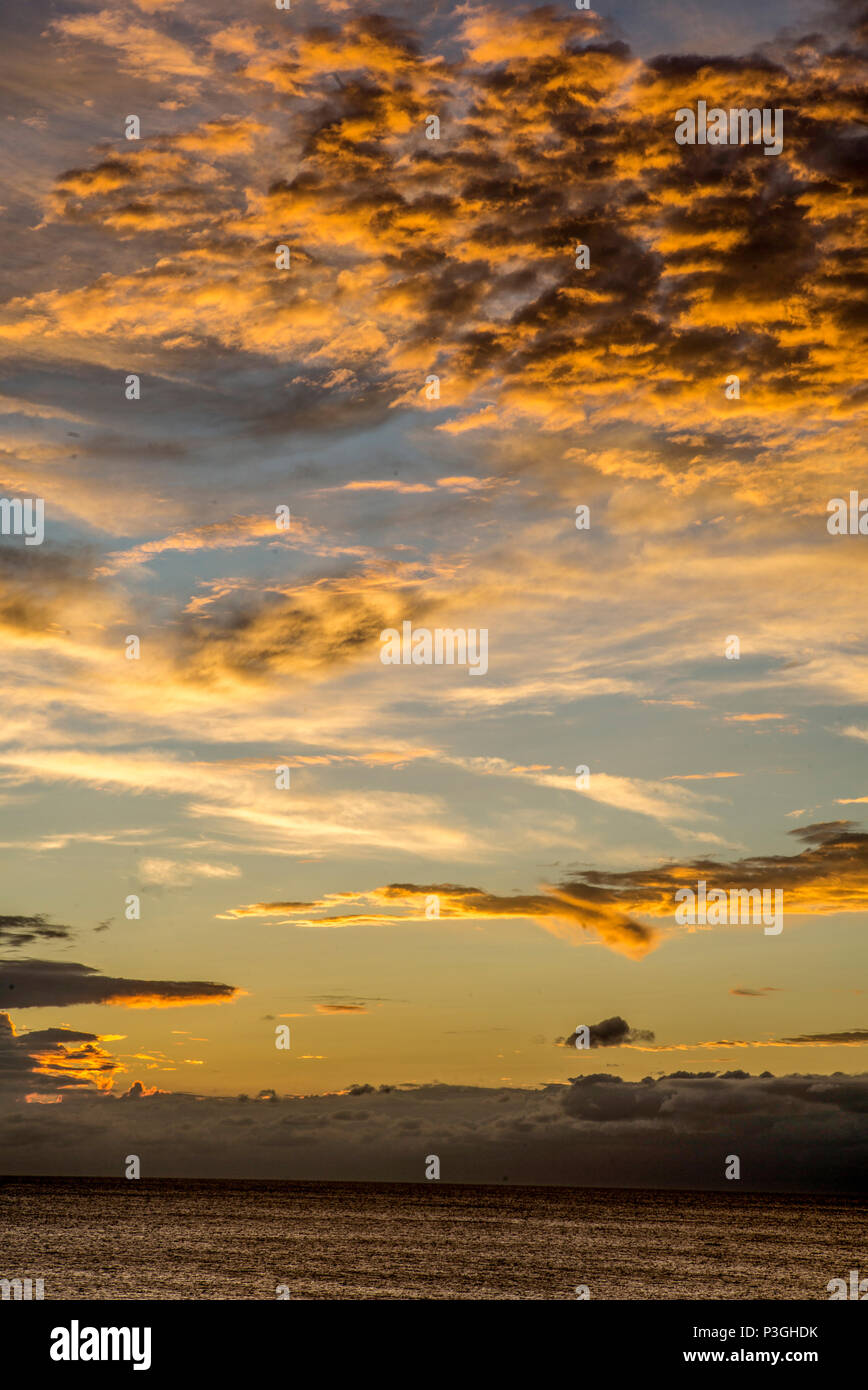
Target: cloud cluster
412	256
46	1062
704	260
830	875
17	930
793	1133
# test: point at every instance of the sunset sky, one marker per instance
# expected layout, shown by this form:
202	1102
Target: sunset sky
306	387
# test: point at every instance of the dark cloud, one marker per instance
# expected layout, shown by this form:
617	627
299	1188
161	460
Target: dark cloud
22	931
38	984
139	1092
38	584
49	1060
264	634
854	1036
826	832
793	1133
610	1032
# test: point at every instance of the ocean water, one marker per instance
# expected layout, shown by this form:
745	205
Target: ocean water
94	1238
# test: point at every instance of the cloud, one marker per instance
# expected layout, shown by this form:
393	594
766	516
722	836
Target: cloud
305	631
852	731
799	1133
243	794
142	50
854	1038
566	911
640	796
700	776
751	718
396	234
39	984
169	873
384	485
23	931
831	875
399	242
48	1060
216	535
857	1037
610	1032
140	1092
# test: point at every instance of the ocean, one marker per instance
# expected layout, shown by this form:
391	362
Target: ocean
94	1238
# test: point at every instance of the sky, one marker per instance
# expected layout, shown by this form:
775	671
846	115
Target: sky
431	390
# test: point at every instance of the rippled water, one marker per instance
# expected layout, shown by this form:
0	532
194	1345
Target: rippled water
113	1239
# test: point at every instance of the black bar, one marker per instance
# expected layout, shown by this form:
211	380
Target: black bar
599	1338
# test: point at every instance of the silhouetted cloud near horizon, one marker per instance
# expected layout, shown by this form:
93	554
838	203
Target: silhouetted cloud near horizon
795	1133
